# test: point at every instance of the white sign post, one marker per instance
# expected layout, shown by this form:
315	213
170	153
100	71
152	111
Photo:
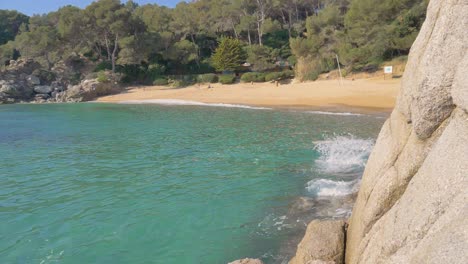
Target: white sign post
388	70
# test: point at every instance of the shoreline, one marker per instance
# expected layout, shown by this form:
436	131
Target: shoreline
365	96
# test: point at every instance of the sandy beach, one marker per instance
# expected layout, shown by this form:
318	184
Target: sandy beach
370	94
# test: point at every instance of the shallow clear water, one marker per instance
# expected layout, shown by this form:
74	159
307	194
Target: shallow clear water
97	183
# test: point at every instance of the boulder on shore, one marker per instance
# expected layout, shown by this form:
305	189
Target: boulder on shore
323	243
88	90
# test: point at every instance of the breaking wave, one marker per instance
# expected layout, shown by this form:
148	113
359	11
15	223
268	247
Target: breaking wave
190	103
324	187
334	113
343	154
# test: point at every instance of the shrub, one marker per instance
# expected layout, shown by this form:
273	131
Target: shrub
278	76
102	66
227	79
253	77
308	69
177	83
311	76
102	77
160	81
207	78
263	58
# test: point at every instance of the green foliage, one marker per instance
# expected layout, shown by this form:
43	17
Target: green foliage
262	58
229	55
40	41
182	52
7	53
368	33
102	77
311	76
253	77
378	30
102	66
278	76
10	22
161	81
227	79
148	41
308	69
179	81
207	78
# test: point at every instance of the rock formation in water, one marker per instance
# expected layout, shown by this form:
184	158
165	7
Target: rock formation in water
322	243
247	261
412	204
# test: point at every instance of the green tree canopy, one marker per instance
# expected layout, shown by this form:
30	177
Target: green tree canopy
10	22
229	55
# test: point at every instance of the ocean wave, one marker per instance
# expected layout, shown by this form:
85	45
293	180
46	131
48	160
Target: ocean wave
334	113
343	154
324	187
190	103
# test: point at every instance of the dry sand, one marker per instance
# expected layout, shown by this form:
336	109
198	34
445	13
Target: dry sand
362	94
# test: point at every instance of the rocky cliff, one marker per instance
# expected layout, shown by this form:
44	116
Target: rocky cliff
412	205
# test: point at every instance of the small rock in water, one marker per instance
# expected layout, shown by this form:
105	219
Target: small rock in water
247	261
302	205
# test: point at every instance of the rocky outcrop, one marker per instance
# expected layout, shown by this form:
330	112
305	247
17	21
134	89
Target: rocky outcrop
17	81
412	205
26	81
87	90
323	243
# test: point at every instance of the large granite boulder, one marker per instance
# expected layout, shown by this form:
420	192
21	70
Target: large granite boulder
88	90
33	80
43	89
411	207
323	243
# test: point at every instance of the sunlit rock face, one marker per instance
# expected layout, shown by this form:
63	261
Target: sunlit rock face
411	207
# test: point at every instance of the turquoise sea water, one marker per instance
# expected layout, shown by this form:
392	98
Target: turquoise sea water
103	183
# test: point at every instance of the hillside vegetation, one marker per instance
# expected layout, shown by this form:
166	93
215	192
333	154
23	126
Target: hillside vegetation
148	43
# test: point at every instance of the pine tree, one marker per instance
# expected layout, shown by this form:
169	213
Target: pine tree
229	55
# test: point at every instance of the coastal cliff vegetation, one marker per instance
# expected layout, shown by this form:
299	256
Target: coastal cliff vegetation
147	43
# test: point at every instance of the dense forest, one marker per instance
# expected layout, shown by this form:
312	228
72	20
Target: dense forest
144	43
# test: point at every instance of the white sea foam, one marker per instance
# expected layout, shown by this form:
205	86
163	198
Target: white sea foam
334	113
190	103
343	154
324	187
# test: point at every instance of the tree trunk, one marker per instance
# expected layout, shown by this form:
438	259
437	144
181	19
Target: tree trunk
250	38
114	53
234	29
260	33
107	47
